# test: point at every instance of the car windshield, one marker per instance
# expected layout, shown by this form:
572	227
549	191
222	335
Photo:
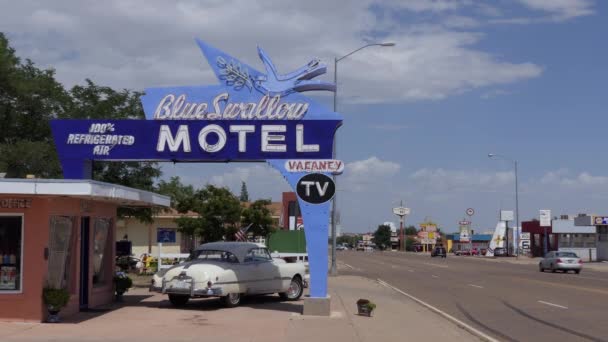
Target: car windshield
566	255
220	256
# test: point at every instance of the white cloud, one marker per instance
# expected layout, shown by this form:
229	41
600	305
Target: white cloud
563	177
561	9
364	174
135	44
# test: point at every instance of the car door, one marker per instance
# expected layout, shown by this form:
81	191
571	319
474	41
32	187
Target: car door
263	273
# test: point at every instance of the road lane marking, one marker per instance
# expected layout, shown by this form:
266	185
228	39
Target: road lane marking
435	276
435	265
347	265
444	314
477	286
557	306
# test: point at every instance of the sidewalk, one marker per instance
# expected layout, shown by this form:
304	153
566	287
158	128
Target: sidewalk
149	317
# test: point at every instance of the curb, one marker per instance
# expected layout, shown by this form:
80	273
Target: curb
483	336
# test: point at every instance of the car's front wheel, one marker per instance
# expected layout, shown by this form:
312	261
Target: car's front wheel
178	300
232	300
295	290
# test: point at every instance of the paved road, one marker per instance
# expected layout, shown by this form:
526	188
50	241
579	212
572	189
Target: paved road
511	302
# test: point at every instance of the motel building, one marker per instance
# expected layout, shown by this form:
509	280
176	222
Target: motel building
60	233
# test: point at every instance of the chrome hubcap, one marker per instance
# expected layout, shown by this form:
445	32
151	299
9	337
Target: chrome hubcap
233	297
294	289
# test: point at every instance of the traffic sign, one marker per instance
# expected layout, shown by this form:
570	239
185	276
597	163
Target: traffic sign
316	188
470	212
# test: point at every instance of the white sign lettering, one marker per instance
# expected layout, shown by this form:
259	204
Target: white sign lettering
319	165
272	140
173	107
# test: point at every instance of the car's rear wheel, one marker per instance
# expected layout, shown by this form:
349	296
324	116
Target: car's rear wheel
178	300
553	269
540	268
577	271
232	300
296	288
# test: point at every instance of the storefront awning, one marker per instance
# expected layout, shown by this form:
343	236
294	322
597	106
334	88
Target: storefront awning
84	189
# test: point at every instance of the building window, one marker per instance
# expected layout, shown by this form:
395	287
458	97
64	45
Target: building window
100	250
60	247
11	266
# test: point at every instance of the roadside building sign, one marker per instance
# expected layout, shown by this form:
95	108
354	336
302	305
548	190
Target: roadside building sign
465	233
506	215
321	165
401	211
525	244
464	223
166	235
525	236
600	220
545	218
248	116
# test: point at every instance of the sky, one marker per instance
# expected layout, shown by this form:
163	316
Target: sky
525	79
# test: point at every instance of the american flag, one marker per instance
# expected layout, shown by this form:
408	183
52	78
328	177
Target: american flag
241	234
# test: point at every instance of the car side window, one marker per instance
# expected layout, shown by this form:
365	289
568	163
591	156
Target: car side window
258	254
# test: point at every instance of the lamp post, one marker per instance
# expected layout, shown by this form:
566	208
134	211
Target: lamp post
492	155
334	269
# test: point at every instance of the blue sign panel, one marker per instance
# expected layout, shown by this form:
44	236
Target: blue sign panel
248	116
166	235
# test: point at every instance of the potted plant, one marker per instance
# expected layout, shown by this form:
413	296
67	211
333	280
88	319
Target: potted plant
365	307
122	284
55	299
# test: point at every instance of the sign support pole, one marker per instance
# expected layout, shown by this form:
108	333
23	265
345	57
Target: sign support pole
160	260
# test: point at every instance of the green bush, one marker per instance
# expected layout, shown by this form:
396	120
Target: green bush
55	298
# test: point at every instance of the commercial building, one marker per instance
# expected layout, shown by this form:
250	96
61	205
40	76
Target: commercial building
564	234
59	233
479	241
599	225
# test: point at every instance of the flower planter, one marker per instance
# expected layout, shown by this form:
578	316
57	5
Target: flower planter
365	307
53	316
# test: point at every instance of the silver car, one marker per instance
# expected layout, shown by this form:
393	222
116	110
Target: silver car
565	261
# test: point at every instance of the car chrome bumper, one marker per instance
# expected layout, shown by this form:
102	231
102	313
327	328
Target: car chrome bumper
563	266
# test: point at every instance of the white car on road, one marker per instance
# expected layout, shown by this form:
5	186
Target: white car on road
230	270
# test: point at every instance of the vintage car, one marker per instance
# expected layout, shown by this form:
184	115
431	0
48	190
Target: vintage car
230	270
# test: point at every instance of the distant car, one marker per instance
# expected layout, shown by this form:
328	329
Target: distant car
360	248
341	248
564	261
463	252
500	251
439	251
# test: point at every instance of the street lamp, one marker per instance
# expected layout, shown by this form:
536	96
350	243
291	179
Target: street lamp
492	155
334	268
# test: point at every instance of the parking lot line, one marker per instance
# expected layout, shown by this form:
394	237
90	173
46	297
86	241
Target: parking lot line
551	304
477	286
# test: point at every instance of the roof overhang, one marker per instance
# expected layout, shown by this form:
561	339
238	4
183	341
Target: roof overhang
84	189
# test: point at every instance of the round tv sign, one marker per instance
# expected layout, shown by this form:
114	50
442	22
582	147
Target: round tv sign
316	188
